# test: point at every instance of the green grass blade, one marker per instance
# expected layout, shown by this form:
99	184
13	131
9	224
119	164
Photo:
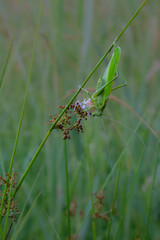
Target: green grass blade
1	233
14	237
129	193
91	187
152	187
67	190
28	193
23	108
114	199
131	20
6	63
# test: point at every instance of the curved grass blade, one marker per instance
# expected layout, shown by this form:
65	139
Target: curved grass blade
6	63
23	108
129	193
67	190
151	195
25	219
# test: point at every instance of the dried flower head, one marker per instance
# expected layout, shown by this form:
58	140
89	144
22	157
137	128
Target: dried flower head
9	203
67	123
99	206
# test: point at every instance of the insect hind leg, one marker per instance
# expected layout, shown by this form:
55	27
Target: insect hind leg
122	85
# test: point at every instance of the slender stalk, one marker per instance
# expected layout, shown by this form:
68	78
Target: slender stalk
73	98
31	163
25	218
91	188
129	193
131	20
114	199
23	108
151	195
1	234
67	189
6	63
9	231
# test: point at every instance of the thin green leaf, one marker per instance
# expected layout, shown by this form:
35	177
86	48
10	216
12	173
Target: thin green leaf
23	108
6	63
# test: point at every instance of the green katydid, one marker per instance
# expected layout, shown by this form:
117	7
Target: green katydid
97	102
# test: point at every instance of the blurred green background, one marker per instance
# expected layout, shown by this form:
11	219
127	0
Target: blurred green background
73	36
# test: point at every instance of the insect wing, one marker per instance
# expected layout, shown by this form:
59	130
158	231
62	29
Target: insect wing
110	71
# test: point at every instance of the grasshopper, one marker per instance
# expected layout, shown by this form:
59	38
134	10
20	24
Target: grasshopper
97	102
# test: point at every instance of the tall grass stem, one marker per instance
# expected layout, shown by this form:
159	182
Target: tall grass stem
23	108
114	199
24	220
152	188
91	187
129	193
67	189
6	63
1	233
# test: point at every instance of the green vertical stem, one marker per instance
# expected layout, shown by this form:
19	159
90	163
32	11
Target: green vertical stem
151	195
129	194
91	186
67	189
114	199
23	108
1	234
6	63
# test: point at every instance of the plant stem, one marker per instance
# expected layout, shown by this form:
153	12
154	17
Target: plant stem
67	189
73	98
131	20
129	193
91	188
1	234
23	108
6	63
114	199
9	231
151	195
25	218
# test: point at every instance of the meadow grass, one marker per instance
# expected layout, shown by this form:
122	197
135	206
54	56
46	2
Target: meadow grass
72	38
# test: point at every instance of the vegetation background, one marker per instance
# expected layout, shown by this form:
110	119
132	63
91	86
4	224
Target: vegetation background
73	36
